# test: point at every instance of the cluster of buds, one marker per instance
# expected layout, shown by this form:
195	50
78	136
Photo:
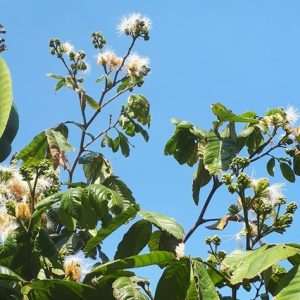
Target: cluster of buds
283	222
239	162
2	40
233	209
243	181
215	240
136	26
98	40
40	168
227	179
59	49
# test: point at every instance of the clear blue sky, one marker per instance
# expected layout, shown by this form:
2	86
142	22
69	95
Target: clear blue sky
245	54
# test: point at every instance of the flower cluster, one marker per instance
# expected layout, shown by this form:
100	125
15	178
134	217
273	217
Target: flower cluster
110	59
16	195
136	26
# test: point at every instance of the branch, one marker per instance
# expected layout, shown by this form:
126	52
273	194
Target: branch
200	219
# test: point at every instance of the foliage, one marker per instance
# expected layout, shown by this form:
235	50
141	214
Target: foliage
52	231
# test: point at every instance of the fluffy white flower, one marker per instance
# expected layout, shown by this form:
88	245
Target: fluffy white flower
179	250
274	193
67	47
7	230
137	65
75	266
109	58
292	114
133	24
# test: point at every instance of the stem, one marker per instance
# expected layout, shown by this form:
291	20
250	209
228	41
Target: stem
200	219
248	228
148	292
234	292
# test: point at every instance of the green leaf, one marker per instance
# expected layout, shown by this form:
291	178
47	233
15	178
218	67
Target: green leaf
201	178
124	144
36	148
7	274
116	222
128	288
109	83
174	281
201	287
288	286
54	76
219	152
95	166
164	223
9	133
44	244
137	261
124	84
91	102
61	289
183	143
248	264
6	98
60	84
225	115
270	166
135	239
56	138
287	172
100	78
296	163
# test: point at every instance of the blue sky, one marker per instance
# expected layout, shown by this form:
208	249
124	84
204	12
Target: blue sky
245	54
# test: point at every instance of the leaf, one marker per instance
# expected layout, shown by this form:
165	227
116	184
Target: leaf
287	172
56	138
201	287
124	144
248	264
137	261
61	289
124	84
116	222
288	285
219	152
201	178
222	223
183	142
36	148
164	223
100	78
296	163
6	98
7	274
95	166
128	288
135	239
60	84
109	83
44	244
91	102
9	133
270	166
174	281
225	115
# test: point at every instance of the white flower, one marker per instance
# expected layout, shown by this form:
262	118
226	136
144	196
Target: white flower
67	48
274	194
7	230
292	114
179	250
134	24
109	58
75	266
137	66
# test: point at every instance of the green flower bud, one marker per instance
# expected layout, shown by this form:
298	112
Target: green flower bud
291	207
233	209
